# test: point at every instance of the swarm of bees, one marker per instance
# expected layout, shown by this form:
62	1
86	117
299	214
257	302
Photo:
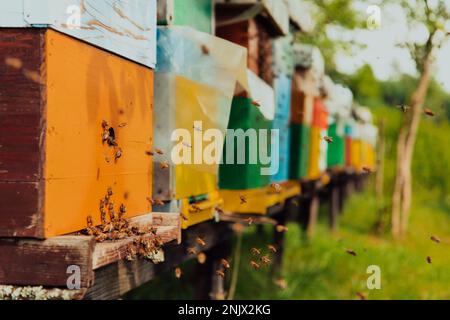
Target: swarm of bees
117	228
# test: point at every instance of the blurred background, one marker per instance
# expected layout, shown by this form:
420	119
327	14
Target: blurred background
395	57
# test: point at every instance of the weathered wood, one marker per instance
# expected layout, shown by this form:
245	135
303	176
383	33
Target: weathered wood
35	262
333	206
122	27
21	127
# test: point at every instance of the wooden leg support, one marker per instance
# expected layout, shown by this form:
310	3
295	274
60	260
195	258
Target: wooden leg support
210	285
334	206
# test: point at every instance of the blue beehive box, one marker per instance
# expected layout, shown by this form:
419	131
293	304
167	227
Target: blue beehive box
283	146
283	89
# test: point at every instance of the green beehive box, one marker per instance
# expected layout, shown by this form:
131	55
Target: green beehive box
245	115
300	145
197	14
336	150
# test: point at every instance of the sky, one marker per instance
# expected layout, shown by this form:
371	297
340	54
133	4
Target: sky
382	51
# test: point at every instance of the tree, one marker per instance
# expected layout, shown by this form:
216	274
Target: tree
331	14
433	15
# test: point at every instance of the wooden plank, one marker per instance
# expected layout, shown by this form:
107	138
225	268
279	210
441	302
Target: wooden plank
35	262
112	251
114	280
127	28
21	127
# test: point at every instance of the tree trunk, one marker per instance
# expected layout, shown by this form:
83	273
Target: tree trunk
379	179
402	196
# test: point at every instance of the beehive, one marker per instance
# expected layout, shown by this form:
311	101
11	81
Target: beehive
318	147
195	80
338	102
300	148
253	24
251	114
55	92
198	14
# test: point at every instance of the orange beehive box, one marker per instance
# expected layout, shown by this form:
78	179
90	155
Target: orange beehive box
55	93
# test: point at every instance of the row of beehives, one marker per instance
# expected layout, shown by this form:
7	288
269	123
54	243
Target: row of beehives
91	93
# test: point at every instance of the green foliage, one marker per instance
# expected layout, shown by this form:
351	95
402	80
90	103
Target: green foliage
329	14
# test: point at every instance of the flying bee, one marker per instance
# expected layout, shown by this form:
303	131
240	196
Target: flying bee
159	151
328	139
205	49
272	248
150	153
429	112
361	296
225	263
256	103
159	202
280	228
201	258
281	283
254	265
265	260
220	273
351	252
183	216
255	251
249	221
192	251
243	199
118	154
200	242
435	239
178	273
367	169
123	125
151	201
429	260
195	208
164	165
